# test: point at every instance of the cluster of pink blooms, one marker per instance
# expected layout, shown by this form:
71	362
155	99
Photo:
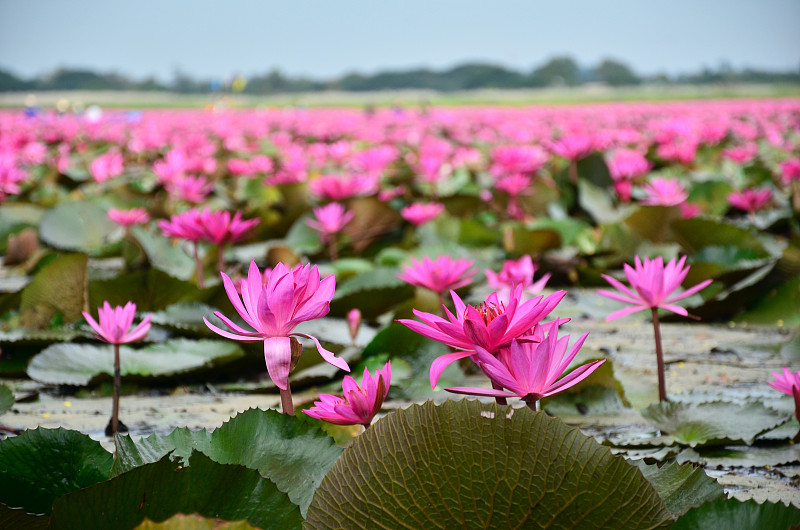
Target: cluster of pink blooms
214	226
134	216
440	275
750	200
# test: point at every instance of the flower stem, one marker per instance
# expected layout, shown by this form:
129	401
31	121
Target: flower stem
286	401
499	400
201	281
573	171
117	385
662	387
332	248
221	258
533	405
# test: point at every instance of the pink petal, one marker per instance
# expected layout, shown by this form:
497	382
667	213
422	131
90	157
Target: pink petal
278	356
443	361
329	356
228	334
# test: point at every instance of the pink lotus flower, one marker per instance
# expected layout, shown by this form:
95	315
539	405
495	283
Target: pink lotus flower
653	285
531	371
126	218
741	154
790	170
573	146
190	189
422	212
330	219
524	159
690	210
628	164
359	404
115	324
492	325
106	166
664	192
11	176
185	225
289	297
353	323
339	187
516	272
391	193
221	229
750	200
440	275
789	383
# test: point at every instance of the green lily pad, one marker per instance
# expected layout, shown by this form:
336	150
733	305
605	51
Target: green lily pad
188	317
162	489
84	364
743	456
653	222
193	522
6	399
164	255
469	465
714	423
41	465
733	514
781	304
59	287
694	234
373	292
682	487
78	225
19	518
284	449
150	290
525	241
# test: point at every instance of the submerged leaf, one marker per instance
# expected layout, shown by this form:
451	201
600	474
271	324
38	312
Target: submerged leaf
681	486
734	514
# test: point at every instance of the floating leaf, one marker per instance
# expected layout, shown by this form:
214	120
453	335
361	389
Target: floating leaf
302	238
597	203
193	522
470	465
653	222
59	287
713	423
40	465
187	316
524	241
282	448
77	225
163	255
682	487
162	489
373	292
19	518
743	456
780	304
734	514
593	400
694	234
150	290
83	364
6	399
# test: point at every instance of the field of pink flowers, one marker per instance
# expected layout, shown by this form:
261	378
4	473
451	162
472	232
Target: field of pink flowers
430	254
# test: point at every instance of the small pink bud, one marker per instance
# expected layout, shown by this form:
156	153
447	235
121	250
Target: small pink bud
354	322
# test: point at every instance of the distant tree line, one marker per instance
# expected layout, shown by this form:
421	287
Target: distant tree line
558	71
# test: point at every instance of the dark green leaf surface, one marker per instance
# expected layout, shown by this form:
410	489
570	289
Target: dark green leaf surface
42	464
162	489
76	225
715	423
6	398
288	451
682	487
731	514
467	465
193	522
13	518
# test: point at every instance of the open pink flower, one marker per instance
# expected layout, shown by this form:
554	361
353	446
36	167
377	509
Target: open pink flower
492	325
106	166
750	200
664	192
220	228
338	187
421	212
115	324
189	188
330	219
573	146
790	170
185	225
274	309
358	404
789	383
439	275
516	272
134	216
529	370
627	164
652	285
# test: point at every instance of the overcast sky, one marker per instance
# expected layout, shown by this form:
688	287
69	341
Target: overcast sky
321	39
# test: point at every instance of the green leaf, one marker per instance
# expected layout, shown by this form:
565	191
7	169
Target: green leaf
682	487
597	203
653	222
468	465
150	290
282	448
59	287
712	195
694	234
302	238
19	518
373	292
714	423
732	514
188	317
163	255
743	456
525	241
162	489
40	465
193	522
399	342
84	364
593	400
6	399
77	225
780	305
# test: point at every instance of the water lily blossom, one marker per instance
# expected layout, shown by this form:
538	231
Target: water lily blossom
664	192
422	212
516	272
491	325
273	309
126	218
353	323
530	370
652	285
789	383
358	404
114	327
750	200
439	275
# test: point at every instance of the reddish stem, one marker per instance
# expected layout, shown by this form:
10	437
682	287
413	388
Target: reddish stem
499	400
286	401
662	387
221	258
117	385
201	281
